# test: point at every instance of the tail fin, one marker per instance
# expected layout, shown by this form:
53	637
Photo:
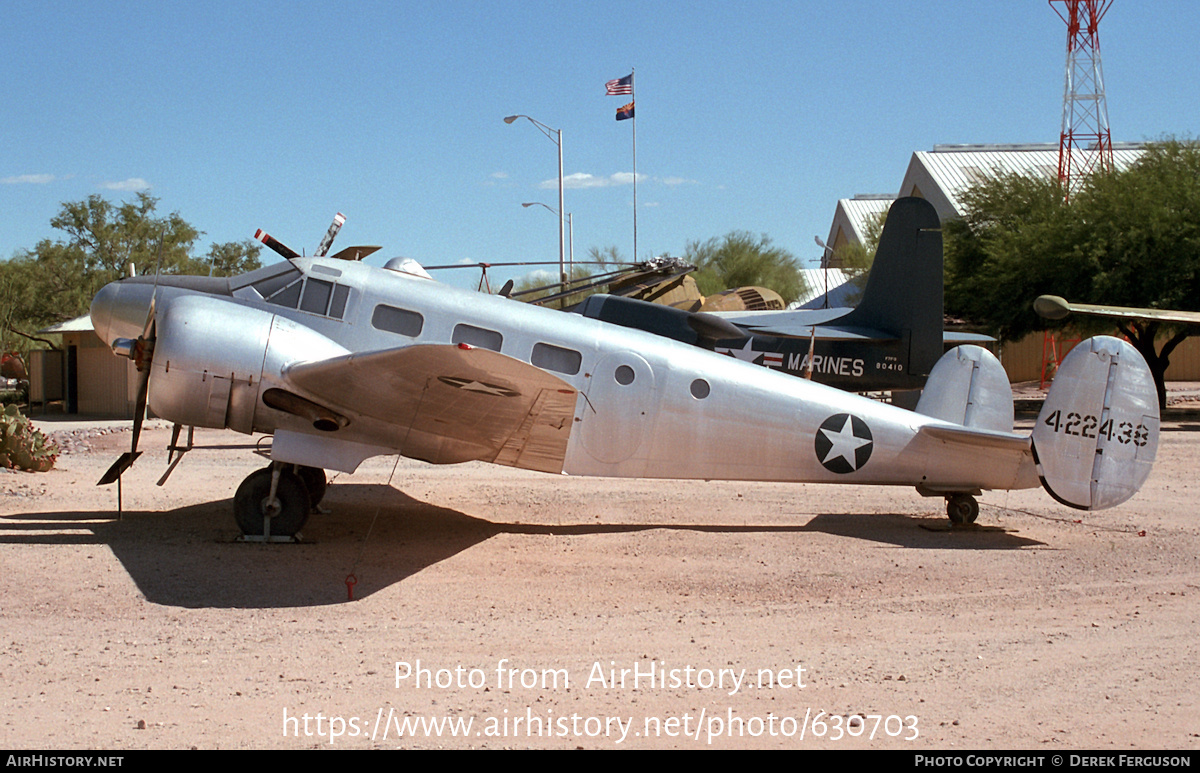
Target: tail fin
904	289
1097	433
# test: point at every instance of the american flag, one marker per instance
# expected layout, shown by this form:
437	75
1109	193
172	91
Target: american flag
619	86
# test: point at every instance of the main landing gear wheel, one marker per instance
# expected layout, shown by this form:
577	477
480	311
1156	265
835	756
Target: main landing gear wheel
285	515
962	509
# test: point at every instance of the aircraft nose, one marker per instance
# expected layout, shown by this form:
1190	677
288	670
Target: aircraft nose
119	311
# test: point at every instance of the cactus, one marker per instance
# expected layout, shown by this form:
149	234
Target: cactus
22	445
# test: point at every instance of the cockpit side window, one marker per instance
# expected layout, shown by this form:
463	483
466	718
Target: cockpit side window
289	296
316	296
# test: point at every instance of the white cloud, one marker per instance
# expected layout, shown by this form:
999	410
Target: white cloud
36	179
584	180
132	184
500	175
676	181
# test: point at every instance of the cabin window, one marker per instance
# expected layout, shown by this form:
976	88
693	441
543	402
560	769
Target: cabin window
700	389
394	320
477	336
624	375
556	358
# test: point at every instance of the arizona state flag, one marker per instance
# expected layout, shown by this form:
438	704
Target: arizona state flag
625	112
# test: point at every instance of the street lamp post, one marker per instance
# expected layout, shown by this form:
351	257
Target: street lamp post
555	136
570	234
825	256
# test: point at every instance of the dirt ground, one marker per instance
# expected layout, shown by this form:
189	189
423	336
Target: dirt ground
504	609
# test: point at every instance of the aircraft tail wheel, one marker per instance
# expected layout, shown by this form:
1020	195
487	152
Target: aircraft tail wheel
314	481
962	509
287	512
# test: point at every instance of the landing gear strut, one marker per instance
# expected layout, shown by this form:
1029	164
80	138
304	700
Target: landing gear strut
962	509
272	504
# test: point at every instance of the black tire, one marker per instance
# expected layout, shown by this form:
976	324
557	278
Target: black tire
962	509
314	481
249	504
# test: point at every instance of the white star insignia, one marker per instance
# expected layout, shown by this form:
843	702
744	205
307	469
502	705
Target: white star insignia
844	444
745	353
487	389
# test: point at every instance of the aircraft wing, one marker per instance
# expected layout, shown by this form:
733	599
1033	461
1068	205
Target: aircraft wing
451	403
782	325
798	324
1054	307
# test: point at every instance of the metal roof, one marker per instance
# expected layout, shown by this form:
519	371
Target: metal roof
861	210
942	174
813	297
78	325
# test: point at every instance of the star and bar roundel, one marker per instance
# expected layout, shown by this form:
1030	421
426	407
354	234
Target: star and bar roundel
843	443
471	385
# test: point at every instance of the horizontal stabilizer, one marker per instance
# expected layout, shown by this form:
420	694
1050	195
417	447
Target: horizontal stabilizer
969	386
979	438
1097	434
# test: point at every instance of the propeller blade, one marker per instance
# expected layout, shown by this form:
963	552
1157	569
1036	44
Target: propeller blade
154	294
123	463
143	355
323	248
275	244
139	412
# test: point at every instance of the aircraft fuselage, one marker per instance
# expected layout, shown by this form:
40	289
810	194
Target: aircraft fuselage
627	403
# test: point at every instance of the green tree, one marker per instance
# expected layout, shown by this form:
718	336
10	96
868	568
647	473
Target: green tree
739	259
1128	238
57	279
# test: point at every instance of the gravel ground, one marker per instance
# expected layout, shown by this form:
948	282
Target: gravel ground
528	605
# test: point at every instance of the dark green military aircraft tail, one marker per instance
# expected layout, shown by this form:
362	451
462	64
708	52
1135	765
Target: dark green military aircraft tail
890	341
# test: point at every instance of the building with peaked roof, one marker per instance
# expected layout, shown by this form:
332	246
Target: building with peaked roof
853	219
84	374
942	174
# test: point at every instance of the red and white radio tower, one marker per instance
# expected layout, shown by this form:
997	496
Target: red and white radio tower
1085	145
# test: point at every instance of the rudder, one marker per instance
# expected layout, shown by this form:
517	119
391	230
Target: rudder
1097	433
904	292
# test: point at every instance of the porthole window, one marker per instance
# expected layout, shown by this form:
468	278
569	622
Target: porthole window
624	375
700	389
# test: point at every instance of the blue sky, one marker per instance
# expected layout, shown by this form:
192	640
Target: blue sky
753	116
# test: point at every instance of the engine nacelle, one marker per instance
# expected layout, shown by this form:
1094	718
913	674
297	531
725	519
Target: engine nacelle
213	359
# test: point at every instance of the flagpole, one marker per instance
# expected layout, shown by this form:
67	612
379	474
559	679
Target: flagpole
633	98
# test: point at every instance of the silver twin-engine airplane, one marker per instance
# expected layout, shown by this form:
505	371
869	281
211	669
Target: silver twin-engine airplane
341	361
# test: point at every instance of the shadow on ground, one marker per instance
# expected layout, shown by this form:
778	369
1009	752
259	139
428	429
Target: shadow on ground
190	557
